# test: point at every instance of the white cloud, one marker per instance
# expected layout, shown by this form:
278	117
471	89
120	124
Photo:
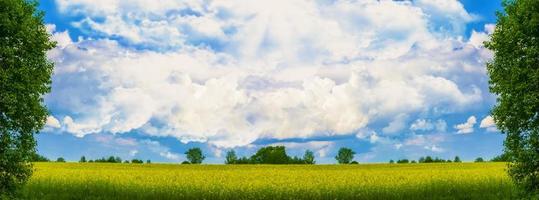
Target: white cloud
489	124
232	72
52	122
466	127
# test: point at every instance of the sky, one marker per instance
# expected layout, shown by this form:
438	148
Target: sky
149	79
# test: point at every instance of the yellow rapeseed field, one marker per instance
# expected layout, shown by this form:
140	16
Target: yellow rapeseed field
364	181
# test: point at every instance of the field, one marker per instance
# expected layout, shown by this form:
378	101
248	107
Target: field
364	181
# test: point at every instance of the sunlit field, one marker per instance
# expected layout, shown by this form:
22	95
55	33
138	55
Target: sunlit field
364	181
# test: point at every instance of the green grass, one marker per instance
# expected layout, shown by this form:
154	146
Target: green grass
368	181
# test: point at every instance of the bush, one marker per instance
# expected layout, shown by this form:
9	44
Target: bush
60	159
137	161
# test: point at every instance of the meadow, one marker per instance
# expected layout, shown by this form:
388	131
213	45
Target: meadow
363	181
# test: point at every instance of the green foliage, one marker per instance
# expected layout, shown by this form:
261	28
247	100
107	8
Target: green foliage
25	76
308	157
110	159
391	161
354	162
504	157
60	159
514	78
137	161
345	155
403	161
35	157
457	159
231	157
82	159
148	161
185	162
194	155
270	155
429	159
479	159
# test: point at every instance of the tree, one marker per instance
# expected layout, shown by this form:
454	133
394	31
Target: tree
504	157
148	162
60	159
25	76
194	155
479	159
82	159
137	161
457	159
270	155
308	157
345	155
38	158
403	161
391	161
231	157
514	78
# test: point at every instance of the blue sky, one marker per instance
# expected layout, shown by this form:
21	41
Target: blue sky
389	79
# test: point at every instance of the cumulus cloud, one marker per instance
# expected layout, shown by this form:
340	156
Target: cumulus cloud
232	72
488	124
466	127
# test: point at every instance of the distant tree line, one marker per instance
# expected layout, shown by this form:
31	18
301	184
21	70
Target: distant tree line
270	155
429	159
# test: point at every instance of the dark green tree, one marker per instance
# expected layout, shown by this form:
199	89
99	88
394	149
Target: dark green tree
514	78
194	155
60	159
308	157
479	159
271	155
25	76
457	159
504	157
82	159
38	158
345	156
231	157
